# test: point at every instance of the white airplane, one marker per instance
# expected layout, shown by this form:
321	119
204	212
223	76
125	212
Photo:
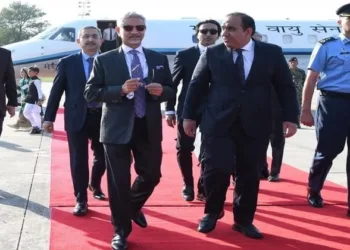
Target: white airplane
297	38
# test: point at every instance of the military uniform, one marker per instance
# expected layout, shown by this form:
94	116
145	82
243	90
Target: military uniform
331	58
298	79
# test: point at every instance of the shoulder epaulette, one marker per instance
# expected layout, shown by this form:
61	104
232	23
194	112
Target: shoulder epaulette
327	39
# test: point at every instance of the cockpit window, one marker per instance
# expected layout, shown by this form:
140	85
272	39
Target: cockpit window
64	34
46	33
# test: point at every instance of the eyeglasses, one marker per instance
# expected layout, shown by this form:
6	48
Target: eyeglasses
211	31
139	28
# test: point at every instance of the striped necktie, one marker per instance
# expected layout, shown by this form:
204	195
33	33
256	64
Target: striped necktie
140	93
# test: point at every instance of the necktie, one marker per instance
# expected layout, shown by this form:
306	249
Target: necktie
110	34
240	66
91	62
140	93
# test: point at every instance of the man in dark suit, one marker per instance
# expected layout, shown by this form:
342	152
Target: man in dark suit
238	117
185	61
8	87
131	82
81	118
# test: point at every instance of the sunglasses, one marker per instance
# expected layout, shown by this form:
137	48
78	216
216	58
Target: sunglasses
211	31
130	27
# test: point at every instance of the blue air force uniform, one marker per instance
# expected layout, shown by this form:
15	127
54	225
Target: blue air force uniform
331	58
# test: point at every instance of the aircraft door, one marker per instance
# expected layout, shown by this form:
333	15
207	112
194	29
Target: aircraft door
108	44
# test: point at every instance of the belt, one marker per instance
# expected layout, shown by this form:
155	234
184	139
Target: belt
333	94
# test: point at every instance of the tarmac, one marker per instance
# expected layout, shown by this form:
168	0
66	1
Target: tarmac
25	181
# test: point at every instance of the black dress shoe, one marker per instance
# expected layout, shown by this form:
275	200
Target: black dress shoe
35	131
208	222
119	243
250	231
97	193
188	193
140	219
201	197
80	209
274	178
315	199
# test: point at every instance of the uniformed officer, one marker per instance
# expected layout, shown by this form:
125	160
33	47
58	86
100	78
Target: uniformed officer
298	79
331	57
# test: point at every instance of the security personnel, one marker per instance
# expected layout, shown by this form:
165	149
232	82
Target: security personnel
207	32
298	79
331	56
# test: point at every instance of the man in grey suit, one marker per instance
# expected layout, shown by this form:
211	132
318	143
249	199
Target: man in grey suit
132	82
8	86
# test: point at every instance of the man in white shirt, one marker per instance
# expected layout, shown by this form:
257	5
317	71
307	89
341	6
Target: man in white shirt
109	38
109	34
33	101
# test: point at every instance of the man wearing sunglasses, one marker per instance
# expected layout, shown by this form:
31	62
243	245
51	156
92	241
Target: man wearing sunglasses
132	82
207	32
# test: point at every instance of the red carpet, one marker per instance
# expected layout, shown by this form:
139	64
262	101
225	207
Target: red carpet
283	214
175	228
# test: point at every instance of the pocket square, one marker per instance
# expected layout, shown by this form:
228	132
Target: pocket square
159	67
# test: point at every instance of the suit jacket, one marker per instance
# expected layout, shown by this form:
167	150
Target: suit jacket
70	78
8	87
109	73
251	102
184	64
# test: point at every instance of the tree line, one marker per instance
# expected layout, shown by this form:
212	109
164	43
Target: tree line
20	21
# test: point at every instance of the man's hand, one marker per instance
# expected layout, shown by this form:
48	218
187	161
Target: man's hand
171	120
131	85
289	129
190	127
11	110
306	118
155	89
48	127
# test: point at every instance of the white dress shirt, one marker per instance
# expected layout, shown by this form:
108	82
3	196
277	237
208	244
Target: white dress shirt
248	56
201	48
107	34
129	57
